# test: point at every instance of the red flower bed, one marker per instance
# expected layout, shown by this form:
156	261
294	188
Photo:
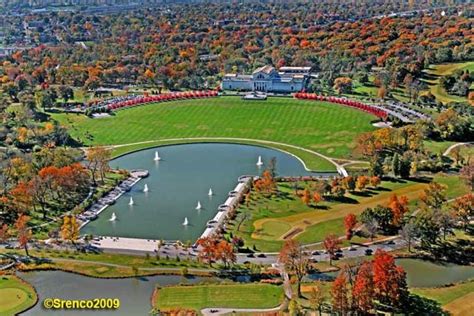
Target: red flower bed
352	103
162	98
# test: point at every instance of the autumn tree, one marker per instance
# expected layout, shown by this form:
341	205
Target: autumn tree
433	196
399	207
70	228
467	173
266	183
340	294
350	221
464	209
207	249
389	280
23	232
225	252
343	85
375	181
362	182
363	289
317	198
98	161
295	260
317	297
331	243
306	197
4	233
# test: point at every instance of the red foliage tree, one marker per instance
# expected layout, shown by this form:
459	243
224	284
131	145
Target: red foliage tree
331	244
363	288
399	207
389	280
350	221
23	232
340	294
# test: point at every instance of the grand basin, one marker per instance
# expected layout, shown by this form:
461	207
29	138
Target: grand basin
180	180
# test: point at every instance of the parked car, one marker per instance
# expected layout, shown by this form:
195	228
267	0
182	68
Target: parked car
315	253
250	255
368	251
261	255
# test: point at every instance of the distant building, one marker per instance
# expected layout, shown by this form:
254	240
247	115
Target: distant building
268	79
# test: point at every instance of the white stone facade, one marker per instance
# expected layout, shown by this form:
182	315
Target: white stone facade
268	79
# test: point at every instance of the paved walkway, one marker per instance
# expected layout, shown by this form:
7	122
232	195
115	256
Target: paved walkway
224	311
448	150
340	169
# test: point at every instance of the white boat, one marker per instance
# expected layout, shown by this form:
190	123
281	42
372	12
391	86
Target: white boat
131	201
199	206
145	189
157	156
259	162
185	223
210	192
113	218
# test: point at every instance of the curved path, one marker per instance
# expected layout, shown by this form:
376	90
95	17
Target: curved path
448	150
340	168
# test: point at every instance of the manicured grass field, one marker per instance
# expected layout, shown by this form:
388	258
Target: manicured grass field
15	295
327	128
231	296
437	71
267	221
448	294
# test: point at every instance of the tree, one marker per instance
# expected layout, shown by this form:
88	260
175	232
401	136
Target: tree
389	280
363	289
225	253
343	85
266	183
374	181
382	215
98	161
23	231
350	221
408	232
464	209
340	294
317	198
362	182
382	93
306	197
434	196
295	260
349	183
372	226
208	249
70	228
316	297
4	233
331	244
396	165
399	207
467	173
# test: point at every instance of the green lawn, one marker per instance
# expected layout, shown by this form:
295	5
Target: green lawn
437	71
266	221
445	295
15	295
327	128
231	296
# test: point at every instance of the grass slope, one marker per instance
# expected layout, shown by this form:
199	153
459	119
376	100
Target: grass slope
230	296
15	296
327	128
437	71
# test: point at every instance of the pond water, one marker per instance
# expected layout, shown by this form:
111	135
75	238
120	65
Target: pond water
134	293
422	273
176	184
